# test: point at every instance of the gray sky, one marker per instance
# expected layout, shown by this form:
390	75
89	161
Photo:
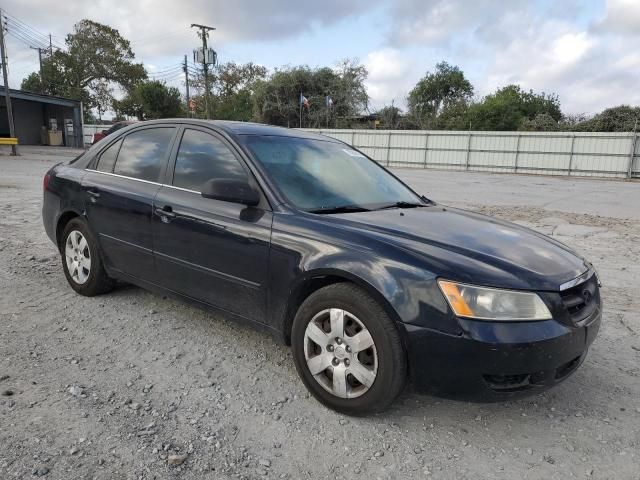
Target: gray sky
588	52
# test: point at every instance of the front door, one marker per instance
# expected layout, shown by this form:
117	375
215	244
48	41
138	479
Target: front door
119	194
214	251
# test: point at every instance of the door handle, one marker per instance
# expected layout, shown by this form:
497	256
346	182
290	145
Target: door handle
165	212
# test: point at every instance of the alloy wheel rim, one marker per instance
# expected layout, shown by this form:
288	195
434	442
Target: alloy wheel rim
340	353
78	257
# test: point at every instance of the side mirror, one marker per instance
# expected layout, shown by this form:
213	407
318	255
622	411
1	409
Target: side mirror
105	132
231	190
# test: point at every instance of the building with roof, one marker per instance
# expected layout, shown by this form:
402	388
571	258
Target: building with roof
36	115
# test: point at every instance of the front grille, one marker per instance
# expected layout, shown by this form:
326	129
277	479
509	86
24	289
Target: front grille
582	300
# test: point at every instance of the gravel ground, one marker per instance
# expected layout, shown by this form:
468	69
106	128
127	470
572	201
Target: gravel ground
135	386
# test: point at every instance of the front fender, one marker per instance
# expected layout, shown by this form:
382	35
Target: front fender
392	276
409	293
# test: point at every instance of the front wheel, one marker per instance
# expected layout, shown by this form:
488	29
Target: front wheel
348	351
81	260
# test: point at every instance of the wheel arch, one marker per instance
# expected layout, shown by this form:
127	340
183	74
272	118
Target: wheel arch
314	280
62	222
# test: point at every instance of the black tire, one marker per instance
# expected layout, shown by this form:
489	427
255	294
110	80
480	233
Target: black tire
392	362
98	282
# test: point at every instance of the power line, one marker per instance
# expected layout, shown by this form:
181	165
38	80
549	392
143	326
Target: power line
27	37
24	36
165	71
17	20
32	32
29	31
15	27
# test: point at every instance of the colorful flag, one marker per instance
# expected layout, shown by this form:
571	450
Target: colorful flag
328	101
303	101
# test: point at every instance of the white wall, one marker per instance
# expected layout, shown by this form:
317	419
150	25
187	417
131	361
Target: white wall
545	153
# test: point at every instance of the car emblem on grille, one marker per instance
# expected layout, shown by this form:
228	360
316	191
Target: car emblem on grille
586	295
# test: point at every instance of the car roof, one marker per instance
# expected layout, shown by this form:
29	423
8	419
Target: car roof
235	128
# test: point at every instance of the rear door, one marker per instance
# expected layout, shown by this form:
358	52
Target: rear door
119	192
210	250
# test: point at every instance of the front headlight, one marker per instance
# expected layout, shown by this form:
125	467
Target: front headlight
483	303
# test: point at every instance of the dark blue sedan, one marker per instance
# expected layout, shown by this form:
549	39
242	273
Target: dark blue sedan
307	238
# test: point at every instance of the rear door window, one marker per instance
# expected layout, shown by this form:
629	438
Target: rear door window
143	153
108	158
202	157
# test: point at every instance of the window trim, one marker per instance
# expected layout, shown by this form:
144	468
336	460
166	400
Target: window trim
125	177
254	172
167	155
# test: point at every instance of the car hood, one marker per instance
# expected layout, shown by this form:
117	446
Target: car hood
471	247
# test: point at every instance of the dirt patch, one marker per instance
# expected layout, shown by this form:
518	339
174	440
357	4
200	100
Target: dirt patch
133	385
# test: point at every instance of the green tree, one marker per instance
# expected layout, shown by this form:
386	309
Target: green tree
96	57
231	88
455	116
437	92
509	107
542	122
32	83
150	100
390	117
617	119
276	99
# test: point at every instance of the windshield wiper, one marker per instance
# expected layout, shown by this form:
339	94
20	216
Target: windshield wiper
403	204
340	209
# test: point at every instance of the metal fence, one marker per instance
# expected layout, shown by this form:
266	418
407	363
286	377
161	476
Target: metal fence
543	153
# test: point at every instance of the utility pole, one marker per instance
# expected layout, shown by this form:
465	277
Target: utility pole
40	50
204	34
50	46
186	82
7	95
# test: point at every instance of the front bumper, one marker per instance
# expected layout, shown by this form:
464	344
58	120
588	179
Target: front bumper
495	361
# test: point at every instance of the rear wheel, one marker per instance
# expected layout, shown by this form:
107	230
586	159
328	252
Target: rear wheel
348	351
81	260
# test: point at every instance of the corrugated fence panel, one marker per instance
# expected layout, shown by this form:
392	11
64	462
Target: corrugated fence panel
492	161
600	165
543	163
446	159
407	150
371	139
378	154
492	152
544	153
342	135
447	141
635	169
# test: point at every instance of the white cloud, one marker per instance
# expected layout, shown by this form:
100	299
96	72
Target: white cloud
437	22
163	26
588	71
590	67
622	16
556	47
391	75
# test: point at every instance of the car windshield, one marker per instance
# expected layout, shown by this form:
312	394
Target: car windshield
324	176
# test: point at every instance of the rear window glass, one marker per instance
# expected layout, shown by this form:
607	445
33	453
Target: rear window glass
108	158
143	153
